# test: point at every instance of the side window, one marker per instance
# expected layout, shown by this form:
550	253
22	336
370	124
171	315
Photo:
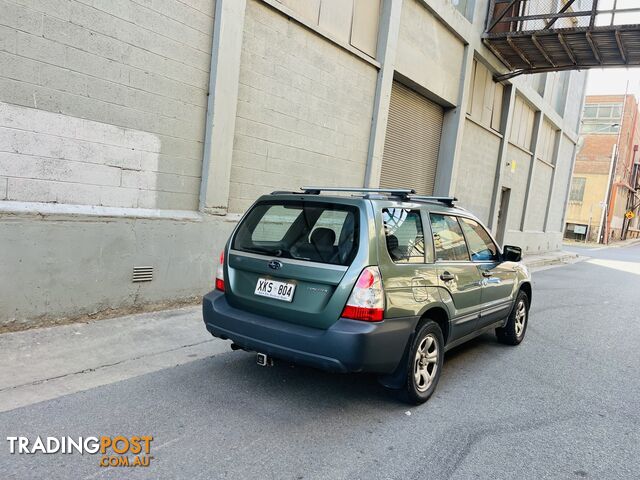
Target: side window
448	239
479	242
404	235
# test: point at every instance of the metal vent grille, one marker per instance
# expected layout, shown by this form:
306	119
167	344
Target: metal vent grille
142	274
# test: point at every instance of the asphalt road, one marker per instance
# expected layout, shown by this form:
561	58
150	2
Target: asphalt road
564	404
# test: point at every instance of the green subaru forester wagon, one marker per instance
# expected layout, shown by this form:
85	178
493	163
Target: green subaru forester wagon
365	280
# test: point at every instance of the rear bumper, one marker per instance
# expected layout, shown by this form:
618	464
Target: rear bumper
346	346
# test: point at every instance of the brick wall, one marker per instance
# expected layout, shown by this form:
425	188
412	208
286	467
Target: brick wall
595	154
304	110
103	103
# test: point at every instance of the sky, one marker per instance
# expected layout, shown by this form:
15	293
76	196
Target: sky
613	81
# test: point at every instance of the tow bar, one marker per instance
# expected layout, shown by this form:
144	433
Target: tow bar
264	360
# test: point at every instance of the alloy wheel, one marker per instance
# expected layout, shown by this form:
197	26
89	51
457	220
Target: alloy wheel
521	318
426	363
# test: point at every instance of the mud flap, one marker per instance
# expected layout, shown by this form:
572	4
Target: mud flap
398	379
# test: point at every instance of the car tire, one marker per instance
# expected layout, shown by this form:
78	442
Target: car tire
513	332
424	363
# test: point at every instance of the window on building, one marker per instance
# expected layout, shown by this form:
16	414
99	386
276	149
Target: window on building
577	189
448	239
522	124
485	99
547	142
602	118
354	22
557	90
590	111
404	235
465	7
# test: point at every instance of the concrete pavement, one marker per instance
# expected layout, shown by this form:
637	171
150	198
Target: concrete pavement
561	405
37	365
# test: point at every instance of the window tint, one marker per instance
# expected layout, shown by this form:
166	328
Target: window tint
479	242
404	235
448	239
317	232
275	223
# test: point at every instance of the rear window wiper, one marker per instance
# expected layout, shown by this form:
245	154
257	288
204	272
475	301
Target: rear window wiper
276	253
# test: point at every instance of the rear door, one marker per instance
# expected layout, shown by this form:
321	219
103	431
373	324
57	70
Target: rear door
289	259
459	279
406	261
498	278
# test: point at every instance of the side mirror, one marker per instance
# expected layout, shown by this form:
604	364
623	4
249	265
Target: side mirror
511	253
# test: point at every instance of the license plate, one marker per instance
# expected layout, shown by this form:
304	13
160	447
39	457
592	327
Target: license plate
274	289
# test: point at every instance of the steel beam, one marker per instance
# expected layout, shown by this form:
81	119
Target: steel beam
621	47
567	49
593	46
541	49
519	52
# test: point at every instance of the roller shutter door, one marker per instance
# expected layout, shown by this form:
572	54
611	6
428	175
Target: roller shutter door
412	143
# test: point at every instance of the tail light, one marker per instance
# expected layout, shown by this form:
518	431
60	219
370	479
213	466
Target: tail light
220	273
366	301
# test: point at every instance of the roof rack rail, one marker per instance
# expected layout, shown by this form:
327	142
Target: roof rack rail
285	192
448	201
394	191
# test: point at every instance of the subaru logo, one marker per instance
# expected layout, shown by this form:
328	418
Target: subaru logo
275	265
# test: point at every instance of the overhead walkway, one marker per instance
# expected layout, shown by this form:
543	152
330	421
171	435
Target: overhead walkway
535	36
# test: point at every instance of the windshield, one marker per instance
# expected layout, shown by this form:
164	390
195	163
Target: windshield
313	231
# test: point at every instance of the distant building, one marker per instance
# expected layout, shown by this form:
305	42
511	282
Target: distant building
134	134
606	171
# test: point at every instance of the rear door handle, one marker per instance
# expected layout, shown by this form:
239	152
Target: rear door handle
487	273
446	277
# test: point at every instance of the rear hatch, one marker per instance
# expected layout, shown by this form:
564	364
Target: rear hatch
289	258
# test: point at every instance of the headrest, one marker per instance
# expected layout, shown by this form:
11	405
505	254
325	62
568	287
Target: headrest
323	237
392	242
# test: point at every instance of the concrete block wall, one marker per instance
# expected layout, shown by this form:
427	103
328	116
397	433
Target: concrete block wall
539	198
560	191
304	110
515	176
478	163
437	69
104	103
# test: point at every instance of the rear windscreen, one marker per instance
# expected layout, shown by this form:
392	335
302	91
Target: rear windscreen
317	232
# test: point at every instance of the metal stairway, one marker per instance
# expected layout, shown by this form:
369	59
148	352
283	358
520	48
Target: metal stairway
535	36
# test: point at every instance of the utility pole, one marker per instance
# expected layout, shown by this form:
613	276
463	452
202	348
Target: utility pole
605	203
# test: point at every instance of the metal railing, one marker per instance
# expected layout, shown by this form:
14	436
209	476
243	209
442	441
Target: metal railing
508	17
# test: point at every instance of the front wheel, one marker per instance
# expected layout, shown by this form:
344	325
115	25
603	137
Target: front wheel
513	332
425	362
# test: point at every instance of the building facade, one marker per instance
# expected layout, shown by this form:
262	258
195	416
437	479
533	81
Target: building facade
604	182
134	134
